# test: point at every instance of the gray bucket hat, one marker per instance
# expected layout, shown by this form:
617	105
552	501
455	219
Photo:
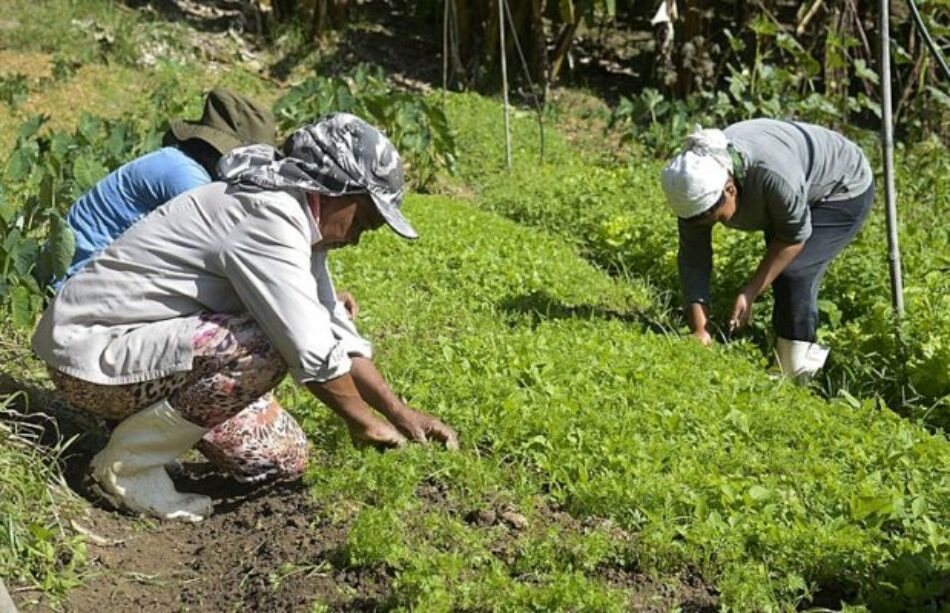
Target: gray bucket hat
338	155
229	120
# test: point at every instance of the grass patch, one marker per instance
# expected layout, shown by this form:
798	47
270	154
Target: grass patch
37	549
568	403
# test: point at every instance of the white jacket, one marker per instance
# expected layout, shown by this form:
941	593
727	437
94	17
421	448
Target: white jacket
130	314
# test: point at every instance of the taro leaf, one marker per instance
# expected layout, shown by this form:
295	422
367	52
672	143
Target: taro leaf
12	240
59	147
46	197
31	126
24	256
7	208
60	246
89	127
18	167
21	307
87	171
119	140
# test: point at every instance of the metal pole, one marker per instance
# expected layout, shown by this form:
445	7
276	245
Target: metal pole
887	143
504	81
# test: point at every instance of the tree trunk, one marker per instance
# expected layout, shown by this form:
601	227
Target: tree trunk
537	53
692	20
319	19
565	41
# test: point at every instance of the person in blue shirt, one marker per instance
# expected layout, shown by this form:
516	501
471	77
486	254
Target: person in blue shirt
187	160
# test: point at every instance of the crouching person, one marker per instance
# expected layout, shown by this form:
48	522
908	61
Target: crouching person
183	326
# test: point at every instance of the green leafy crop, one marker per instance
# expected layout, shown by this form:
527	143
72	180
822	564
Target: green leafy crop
621	447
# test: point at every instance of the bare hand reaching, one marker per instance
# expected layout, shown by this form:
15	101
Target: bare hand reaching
420	427
349	303
378	433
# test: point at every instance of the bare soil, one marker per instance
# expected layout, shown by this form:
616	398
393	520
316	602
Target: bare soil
264	549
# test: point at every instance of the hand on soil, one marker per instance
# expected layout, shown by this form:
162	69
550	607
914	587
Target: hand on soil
349	303
421	428
379	434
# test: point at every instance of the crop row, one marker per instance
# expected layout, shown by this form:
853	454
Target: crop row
625	449
614	211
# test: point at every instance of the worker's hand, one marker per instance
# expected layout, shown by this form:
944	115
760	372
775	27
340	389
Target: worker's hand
349	303
377	433
420	427
703	337
741	311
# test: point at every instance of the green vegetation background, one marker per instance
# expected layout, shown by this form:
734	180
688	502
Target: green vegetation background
537	315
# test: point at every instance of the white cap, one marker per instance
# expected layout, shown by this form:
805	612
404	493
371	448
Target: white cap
694	180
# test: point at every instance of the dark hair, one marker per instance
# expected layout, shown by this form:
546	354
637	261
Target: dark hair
201	152
709	211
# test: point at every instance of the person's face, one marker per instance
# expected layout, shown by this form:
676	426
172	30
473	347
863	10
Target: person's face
344	218
722	211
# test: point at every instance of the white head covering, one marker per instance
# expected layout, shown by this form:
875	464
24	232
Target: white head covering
693	180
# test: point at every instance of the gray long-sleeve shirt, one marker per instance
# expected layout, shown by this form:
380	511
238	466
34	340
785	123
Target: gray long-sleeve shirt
788	167
130	314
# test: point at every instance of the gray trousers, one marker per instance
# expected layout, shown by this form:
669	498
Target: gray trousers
834	226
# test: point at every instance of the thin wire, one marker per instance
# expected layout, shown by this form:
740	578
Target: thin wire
527	74
930	41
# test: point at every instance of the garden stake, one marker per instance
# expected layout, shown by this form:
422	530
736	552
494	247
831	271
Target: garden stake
504	81
887	141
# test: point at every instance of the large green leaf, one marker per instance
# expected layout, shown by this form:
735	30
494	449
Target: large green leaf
60	247
18	166
87	171
7	208
31	126
22	307
24	257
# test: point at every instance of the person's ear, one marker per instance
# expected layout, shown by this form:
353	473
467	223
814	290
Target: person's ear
730	187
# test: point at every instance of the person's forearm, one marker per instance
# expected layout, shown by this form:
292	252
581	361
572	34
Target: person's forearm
373	387
696	316
778	256
344	399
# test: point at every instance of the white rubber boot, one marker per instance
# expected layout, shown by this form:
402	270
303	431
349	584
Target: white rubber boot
131	468
800	359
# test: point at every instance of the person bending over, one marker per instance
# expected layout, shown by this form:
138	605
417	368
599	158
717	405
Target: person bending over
807	188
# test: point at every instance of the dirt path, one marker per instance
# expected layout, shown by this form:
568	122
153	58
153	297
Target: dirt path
264	549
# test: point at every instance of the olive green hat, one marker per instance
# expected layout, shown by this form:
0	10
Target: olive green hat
229	121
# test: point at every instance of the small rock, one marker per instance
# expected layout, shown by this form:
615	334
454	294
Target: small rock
482	517
515	520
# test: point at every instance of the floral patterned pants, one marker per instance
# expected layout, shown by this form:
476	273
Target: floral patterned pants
228	391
